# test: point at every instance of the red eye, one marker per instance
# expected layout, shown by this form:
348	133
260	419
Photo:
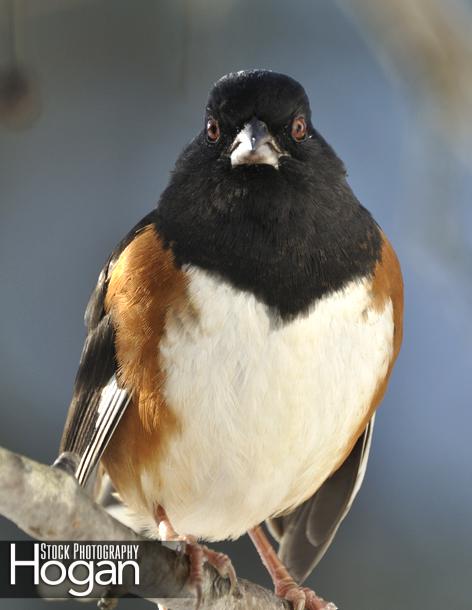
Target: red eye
299	129
213	130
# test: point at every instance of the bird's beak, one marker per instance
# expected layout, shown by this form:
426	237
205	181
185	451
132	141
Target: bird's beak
255	145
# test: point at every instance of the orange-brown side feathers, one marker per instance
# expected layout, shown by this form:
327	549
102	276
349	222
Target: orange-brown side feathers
388	284
144	286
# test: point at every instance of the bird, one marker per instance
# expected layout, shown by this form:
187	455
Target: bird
240	339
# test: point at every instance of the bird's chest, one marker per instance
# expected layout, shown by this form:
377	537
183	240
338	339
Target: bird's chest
266	409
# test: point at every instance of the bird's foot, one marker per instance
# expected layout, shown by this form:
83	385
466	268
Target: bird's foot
285	586
301	598
199	555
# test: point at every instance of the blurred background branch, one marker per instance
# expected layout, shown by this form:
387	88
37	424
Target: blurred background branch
428	43
427	46
20	103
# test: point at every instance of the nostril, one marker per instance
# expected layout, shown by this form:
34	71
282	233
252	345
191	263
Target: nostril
234	146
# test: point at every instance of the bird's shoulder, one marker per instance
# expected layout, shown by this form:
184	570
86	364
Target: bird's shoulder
387	287
124	316
95	309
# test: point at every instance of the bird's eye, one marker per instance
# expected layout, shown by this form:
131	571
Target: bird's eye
213	130
298	129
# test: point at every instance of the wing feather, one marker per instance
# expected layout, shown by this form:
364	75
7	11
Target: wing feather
98	401
307	532
110	409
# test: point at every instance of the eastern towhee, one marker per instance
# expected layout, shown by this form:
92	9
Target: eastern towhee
240	339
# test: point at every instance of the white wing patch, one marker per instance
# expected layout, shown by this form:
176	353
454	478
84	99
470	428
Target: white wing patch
112	405
362	466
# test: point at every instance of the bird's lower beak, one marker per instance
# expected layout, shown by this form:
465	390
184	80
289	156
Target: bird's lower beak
255	145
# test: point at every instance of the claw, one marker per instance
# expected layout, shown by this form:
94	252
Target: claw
301	598
295	595
222	564
198	556
313	602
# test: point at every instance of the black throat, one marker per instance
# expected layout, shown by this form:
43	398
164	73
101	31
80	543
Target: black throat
287	238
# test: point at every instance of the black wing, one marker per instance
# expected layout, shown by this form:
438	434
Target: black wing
306	533
98	402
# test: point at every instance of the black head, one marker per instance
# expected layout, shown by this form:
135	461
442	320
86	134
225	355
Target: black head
259	117
258	149
263	118
260	198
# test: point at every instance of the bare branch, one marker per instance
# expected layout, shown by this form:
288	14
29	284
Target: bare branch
49	505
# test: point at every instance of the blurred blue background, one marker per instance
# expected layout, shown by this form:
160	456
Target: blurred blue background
117	89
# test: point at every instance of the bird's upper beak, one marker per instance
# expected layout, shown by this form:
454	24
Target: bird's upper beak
255	145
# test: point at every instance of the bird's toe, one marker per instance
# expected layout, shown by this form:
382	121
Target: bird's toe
313	602
302	598
222	564
199	555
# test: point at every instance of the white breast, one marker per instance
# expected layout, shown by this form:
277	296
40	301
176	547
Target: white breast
267	410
